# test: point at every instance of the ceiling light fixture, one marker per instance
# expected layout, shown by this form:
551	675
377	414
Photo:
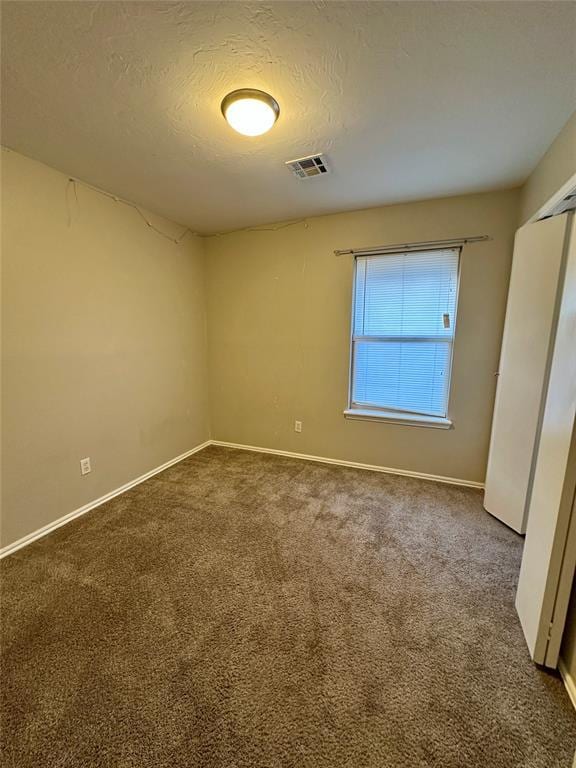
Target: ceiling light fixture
249	111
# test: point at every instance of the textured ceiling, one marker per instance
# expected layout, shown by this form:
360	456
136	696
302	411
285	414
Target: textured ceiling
409	100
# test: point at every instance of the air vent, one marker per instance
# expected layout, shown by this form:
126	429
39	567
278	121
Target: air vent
307	167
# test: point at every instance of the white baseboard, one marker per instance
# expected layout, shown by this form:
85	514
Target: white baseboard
569	681
25	540
354	464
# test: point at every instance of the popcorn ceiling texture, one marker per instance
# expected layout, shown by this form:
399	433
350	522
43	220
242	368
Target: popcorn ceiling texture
249	611
409	100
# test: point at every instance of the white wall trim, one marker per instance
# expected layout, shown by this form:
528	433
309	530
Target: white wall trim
25	540
569	681
553	201
354	464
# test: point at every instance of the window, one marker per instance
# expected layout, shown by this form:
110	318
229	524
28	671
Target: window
403	331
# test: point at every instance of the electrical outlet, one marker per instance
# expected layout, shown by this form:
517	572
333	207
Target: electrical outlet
297	426
85	467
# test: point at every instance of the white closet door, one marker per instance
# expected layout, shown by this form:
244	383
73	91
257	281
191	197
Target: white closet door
529	313
549	554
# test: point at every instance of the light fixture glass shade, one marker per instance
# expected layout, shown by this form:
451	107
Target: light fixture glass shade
249	111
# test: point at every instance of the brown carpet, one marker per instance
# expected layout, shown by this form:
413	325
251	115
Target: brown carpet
251	611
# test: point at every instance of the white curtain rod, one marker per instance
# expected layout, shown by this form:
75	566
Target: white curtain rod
399	247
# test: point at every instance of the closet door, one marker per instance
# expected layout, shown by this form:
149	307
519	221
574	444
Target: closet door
523	363
549	556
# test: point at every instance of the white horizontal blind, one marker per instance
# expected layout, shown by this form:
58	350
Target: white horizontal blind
403	331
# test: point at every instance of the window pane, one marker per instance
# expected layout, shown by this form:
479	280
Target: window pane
406	294
405	303
409	376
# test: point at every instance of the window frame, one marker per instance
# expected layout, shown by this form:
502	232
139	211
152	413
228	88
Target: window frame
391	415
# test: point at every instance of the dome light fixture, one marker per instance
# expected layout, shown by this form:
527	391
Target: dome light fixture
249	111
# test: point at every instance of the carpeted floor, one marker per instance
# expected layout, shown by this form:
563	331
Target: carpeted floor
249	611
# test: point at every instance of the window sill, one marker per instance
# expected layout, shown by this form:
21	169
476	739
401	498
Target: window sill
392	417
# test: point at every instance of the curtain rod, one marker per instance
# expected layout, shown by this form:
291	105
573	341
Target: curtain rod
410	246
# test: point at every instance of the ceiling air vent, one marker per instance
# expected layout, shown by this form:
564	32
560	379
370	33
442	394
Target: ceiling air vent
306	167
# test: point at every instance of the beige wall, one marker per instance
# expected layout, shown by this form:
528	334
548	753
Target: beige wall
553	170
103	345
279	325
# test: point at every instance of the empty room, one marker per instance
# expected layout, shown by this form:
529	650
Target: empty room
288	384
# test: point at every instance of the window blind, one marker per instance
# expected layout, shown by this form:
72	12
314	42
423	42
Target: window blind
403	331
